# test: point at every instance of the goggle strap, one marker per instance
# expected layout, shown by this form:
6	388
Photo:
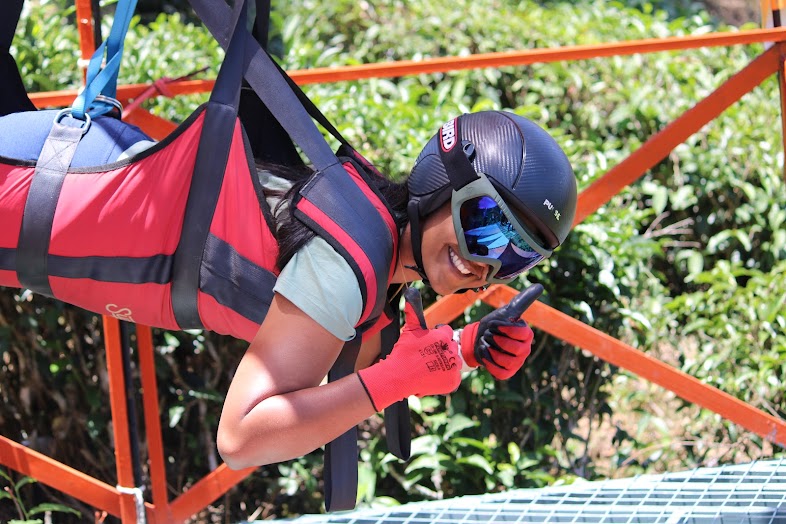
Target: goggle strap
451	150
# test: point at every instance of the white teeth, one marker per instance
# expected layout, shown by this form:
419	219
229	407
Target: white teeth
464	270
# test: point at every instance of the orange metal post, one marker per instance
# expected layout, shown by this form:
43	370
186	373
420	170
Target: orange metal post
661	143
208	489
155	445
117	399
781	49
87	43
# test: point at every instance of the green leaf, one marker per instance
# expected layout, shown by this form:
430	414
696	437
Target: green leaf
478	462
428	462
23	482
458	423
55	508
175	414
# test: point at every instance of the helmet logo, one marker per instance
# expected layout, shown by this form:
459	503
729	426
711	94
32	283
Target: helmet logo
447	135
549	205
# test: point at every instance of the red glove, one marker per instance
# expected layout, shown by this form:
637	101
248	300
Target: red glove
501	341
423	361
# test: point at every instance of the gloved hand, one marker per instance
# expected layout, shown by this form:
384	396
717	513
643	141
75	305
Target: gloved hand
423	361
501	341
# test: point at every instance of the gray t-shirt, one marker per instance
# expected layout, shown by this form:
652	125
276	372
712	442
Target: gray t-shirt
318	280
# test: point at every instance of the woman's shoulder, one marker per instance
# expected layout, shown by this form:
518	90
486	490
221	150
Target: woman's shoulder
319	281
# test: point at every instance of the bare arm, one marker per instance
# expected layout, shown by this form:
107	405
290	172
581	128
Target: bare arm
275	409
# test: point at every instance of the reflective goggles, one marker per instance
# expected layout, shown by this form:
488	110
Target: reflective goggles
489	233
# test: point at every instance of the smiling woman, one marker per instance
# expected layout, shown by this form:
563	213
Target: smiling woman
276	410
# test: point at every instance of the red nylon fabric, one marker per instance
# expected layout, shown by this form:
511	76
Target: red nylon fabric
136	210
14	185
238	199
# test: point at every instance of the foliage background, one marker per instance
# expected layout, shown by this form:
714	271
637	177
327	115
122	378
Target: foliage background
688	264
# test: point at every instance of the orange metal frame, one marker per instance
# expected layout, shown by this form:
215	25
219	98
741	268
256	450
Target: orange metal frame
116	501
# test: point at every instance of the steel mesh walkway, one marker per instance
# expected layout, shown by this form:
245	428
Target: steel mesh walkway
753	493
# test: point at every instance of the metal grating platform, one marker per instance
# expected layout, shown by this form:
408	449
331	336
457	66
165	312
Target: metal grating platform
753	493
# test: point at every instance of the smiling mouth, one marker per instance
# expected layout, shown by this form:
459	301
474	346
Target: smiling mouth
458	263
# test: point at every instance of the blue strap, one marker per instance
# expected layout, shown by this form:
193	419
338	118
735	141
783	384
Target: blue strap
103	80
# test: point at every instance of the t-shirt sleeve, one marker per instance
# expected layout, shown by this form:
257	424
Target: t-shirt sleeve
322	284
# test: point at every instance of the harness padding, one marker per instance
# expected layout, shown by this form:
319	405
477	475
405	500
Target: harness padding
116	229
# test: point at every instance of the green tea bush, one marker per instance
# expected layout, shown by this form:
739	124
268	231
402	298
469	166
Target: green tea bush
686	263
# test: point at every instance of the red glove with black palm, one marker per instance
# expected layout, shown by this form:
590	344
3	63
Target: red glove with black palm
501	340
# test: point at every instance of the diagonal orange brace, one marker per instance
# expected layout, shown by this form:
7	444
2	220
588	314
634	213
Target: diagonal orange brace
59	476
662	143
208	489
620	354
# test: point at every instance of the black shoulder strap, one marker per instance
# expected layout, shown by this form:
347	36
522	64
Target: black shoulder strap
211	159
13	97
262	75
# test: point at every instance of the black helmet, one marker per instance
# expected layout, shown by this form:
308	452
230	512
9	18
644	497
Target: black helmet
525	165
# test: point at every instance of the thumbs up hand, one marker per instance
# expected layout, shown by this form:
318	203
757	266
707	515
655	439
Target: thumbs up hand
501	341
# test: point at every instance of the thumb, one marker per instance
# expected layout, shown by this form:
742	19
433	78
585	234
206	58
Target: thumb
413	310
516	307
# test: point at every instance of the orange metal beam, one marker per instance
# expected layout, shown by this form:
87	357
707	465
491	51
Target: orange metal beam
619	354
531	56
124	93
208	489
59	476
660	144
452	63
155	445
155	126
117	401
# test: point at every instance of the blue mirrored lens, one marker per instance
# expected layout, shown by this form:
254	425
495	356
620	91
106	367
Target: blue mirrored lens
488	233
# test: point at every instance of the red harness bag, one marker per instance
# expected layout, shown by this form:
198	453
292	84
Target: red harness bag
116	230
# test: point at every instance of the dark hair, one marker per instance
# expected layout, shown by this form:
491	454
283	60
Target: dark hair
291	234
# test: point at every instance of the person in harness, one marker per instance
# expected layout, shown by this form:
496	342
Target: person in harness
490	196
305	264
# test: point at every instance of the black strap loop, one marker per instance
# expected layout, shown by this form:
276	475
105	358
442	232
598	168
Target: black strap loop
39	214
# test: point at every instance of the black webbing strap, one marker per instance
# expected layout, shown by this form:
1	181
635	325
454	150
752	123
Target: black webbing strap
262	23
211	159
13	97
269	142
341	454
272	88
39	214
397	431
